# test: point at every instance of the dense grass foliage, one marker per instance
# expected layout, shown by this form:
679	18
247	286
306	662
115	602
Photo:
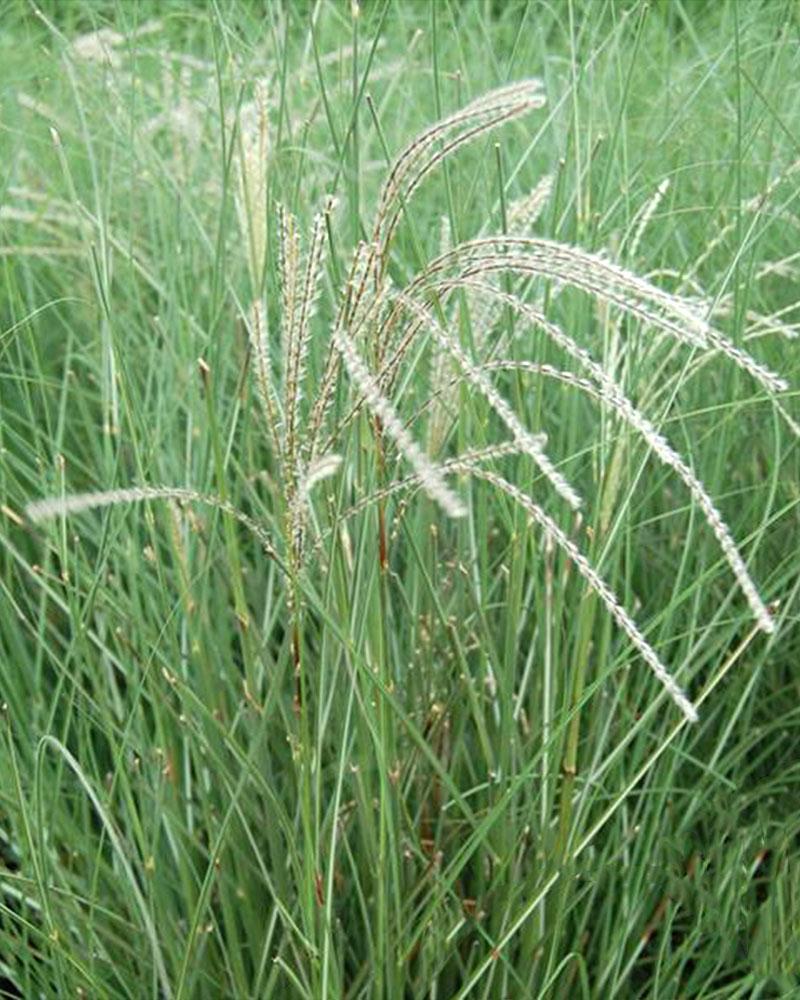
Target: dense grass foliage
323	673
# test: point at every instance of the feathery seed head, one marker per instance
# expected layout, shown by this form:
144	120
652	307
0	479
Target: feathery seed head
251	193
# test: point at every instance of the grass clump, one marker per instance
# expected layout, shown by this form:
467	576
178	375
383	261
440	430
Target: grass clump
336	635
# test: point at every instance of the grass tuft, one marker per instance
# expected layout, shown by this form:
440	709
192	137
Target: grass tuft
461	429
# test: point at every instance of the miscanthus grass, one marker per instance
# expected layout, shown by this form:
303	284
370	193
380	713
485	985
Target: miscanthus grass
398	573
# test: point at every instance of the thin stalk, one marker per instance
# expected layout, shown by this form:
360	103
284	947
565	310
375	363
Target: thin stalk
249	652
305	754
